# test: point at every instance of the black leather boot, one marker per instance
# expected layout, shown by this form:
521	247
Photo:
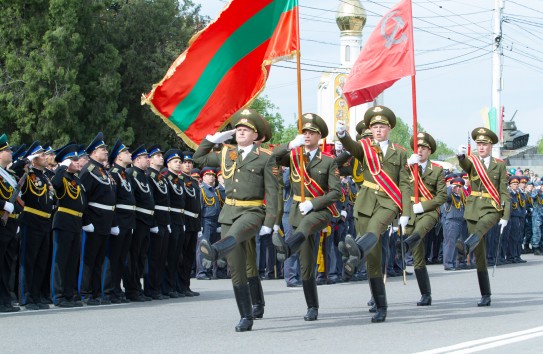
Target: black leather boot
412	241
471	242
286	248
257	297
484	286
380	298
245	307
424	286
212	252
357	250
311	299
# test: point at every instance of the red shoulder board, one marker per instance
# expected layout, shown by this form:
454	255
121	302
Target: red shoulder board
266	151
436	164
399	147
499	160
325	153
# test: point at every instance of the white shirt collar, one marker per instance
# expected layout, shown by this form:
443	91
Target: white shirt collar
312	153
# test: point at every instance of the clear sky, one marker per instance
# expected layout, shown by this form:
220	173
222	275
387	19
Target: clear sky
453	57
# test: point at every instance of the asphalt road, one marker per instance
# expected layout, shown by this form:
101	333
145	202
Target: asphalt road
205	324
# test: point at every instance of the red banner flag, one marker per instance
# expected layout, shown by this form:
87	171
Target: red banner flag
225	66
387	56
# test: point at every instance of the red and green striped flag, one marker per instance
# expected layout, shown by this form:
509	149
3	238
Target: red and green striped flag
225	66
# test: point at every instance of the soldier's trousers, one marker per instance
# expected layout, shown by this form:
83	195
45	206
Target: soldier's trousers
93	254
537	221
527	229
515	237
209	229
66	250
424	223
7	235
156	261
33	263
116	258
291	266
137	256
452	231
184	268
481	227
174	254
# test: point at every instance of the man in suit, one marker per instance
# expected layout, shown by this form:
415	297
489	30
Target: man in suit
379	201
487	204
424	214
249	179
310	214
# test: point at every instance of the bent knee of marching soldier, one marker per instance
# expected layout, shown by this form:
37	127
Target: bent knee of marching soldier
418	256
485	223
246	226
313	222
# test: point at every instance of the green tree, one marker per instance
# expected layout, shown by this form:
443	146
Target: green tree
267	109
540	145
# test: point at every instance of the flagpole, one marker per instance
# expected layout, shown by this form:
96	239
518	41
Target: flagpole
299	82
414	95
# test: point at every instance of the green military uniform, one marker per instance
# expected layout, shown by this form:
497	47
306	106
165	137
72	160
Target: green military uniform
374	210
322	169
420	224
248	182
482	212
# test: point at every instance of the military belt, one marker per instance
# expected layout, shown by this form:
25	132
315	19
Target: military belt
125	206
421	199
70	211
244	203
372	185
145	211
177	210
191	214
481	194
162	208
37	212
102	206
298	198
13	216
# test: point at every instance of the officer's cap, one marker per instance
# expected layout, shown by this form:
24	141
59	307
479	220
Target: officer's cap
195	172
140	151
18	152
34	149
457	182
117	148
96	143
69	151
249	118
313	122
451	176
360	127
379	115
208	171
425	139
47	149
82	152
187	155
484	135
523	179
173	154
4	142
514	179
154	149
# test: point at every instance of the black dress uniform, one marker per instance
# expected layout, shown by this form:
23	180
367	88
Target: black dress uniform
145	209
177	235
158	243
101	198
38	195
192	227
125	220
8	232
66	230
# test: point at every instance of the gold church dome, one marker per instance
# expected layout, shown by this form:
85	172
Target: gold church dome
351	16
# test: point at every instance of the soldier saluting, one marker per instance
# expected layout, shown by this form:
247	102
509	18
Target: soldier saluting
488	203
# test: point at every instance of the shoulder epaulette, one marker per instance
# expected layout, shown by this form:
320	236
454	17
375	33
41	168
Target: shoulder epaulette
228	146
499	160
266	151
436	164
152	174
91	167
325	153
170	178
114	170
134	173
399	147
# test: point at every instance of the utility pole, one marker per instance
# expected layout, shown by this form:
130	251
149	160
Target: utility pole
497	80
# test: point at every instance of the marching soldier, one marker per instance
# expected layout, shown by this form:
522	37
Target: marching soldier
379	200
308	217
487	204
192	226
97	219
8	231
38	195
145	209
248	175
125	220
158	244
424	215
67	223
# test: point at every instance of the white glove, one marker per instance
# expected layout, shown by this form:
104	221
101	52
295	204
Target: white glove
341	128
66	163
462	150
219	229
413	159
305	207
115	231
299	140
184	228
200	234
169	228
403	222
503	224
154	230
221	137
343	214
418	209
276	227
264	230
88	228
9	207
394	228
